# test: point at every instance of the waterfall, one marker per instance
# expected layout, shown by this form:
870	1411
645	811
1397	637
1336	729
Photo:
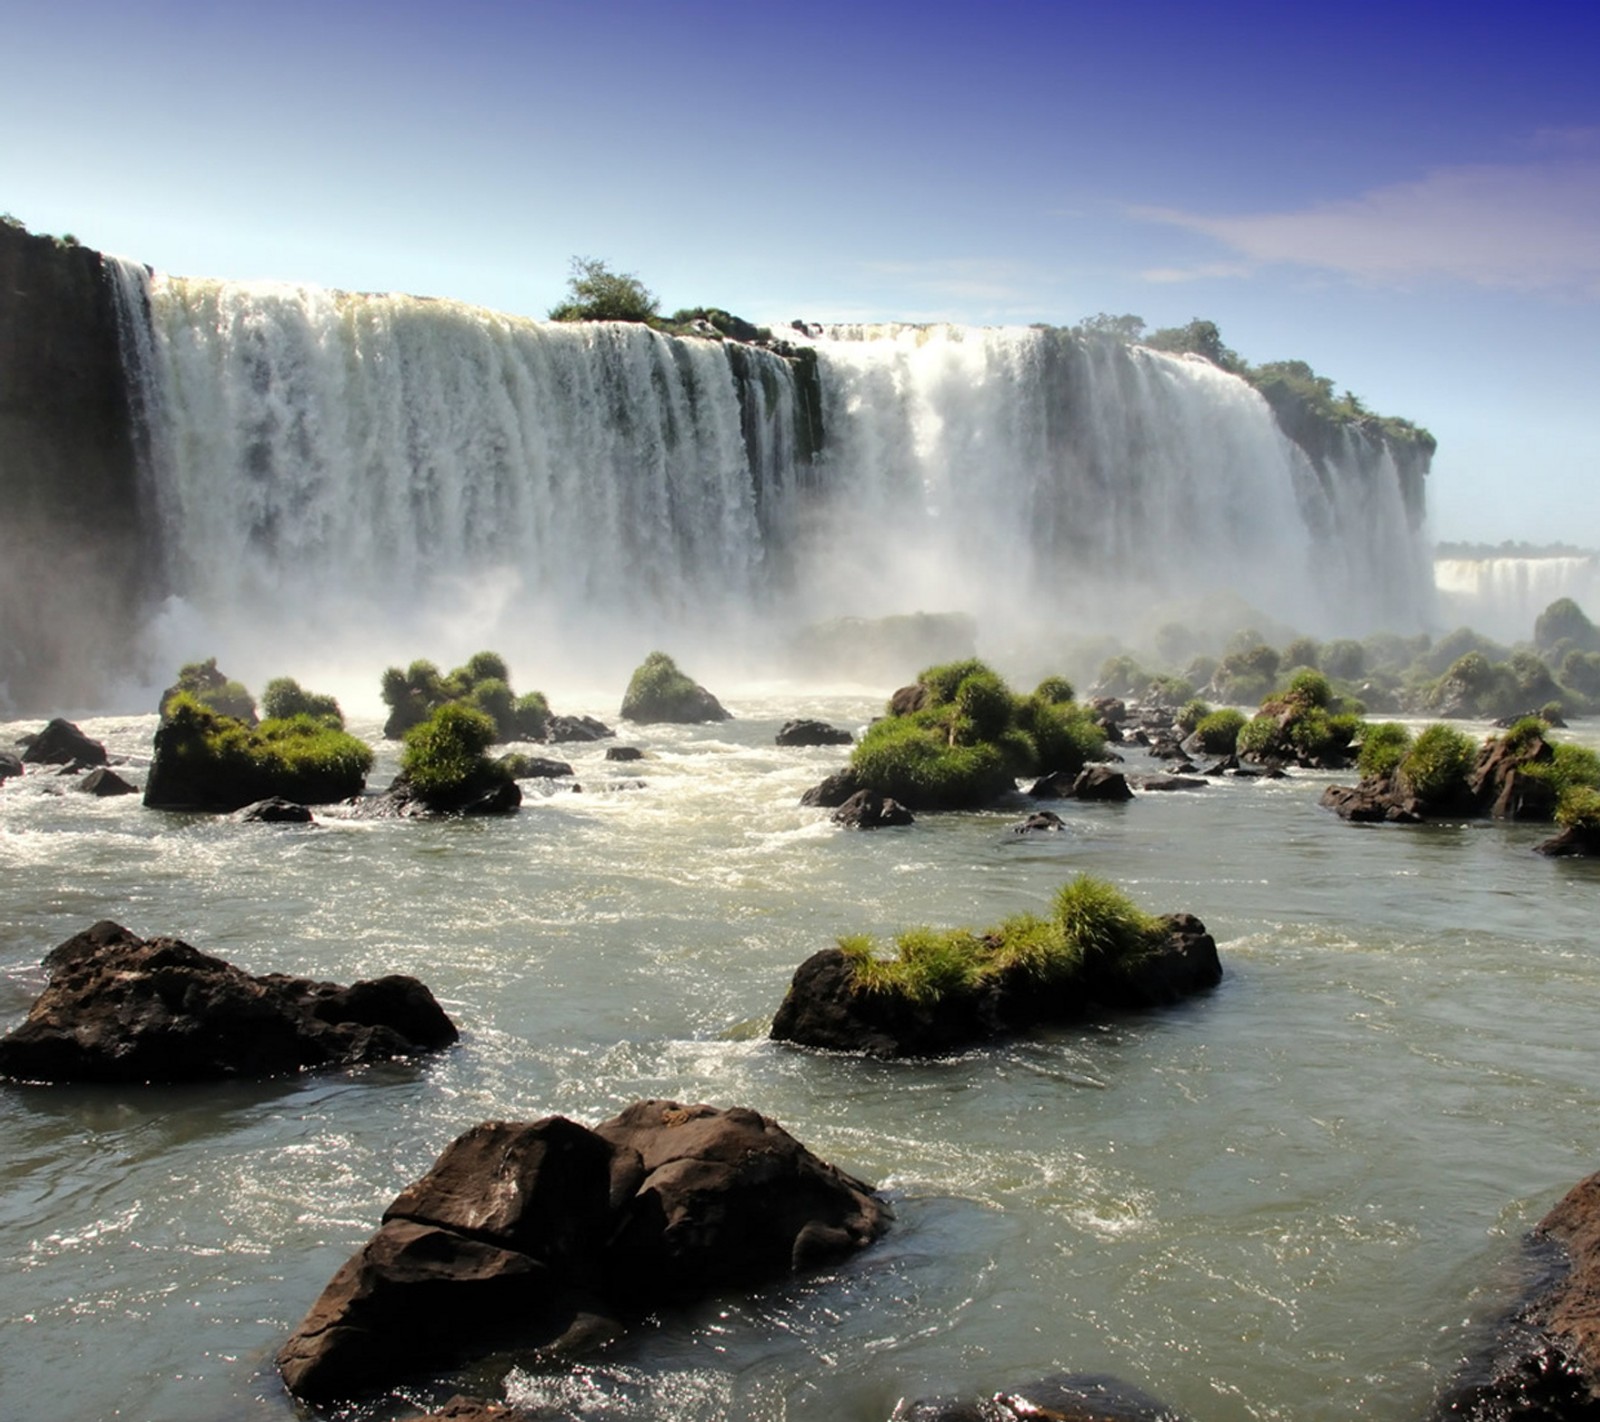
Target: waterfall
417	477
1503	597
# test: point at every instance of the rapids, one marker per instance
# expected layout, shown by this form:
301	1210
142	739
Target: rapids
1295	1198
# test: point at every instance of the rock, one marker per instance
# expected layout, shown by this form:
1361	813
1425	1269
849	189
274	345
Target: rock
1544	1364
1574	840
126	1009
867	809
833	791
577	728
477	1409
659	691
555	1235
62	743
1097	782
1152	783
908	699
533	767
1371	802
104	783
1057	785
489	796
274	810
1040	821
813	733
10	765
1109	710
1065	1397
624	753
824	1008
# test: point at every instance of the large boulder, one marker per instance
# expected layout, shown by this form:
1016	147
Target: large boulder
62	743
577	728
122	1008
826	1007
555	1236
1544	1362
659	691
104	782
804	732
867	809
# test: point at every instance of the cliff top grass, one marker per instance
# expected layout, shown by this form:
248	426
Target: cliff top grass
1090	921
971	738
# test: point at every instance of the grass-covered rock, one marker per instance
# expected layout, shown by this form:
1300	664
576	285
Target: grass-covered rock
941	989
285	697
659	691
204	760
482	682
1305	723
213	690
445	768
961	739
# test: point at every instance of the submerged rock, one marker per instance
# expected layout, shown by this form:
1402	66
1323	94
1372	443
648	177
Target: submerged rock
274	811
554	1235
1065	1397
825	1007
126	1009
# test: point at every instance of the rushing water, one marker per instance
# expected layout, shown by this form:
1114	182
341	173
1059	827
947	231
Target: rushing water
1292	1198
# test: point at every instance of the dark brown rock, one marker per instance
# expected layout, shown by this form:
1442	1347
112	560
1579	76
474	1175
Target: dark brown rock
867	809
274	811
10	765
1573	841
126	1009
833	791
62	743
1370	803
624	753
1066	1397
1099	782
908	699
553	1235
812	733
577	728
1153	783
1040	821
825	1008
105	782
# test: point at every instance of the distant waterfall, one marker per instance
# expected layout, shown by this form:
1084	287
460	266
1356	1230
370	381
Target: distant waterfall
438	477
1503	597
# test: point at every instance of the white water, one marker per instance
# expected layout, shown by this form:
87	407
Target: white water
1503	597
341	475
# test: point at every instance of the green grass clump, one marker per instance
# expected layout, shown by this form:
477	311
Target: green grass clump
300	758
1193	713
1090	921
213	690
444	755
1258	738
285	697
1436	766
1579	808
1057	690
1383	747
1308	689
1569	767
483	681
1219	732
971	739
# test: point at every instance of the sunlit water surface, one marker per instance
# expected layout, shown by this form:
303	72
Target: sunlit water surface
1295	1197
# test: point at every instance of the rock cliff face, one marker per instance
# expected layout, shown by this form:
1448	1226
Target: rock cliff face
71	544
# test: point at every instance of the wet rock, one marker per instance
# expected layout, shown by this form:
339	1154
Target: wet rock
1040	822
577	728
1573	841
1156	783
62	743
833	791
867	809
127	1009
533	767
556	1236
813	733
1099	782
824	1007
10	765
274	810
624	753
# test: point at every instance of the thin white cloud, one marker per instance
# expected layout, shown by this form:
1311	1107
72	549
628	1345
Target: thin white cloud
1534	227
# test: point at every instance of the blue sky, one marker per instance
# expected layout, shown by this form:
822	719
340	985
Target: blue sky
1406	195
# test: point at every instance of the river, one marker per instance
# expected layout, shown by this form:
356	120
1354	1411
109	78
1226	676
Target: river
1295	1197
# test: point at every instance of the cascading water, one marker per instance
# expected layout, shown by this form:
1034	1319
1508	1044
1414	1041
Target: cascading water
1503	597
442	477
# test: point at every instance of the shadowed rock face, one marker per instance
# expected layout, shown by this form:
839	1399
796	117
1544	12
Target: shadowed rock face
75	568
549	1234
120	1008
824	1008
1544	1363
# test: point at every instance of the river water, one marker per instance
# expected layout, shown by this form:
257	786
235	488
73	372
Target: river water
1296	1197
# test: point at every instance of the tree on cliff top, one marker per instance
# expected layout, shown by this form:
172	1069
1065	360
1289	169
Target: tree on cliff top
599	294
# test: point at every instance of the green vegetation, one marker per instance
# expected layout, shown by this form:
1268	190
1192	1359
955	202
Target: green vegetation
1579	808
1192	714
1565	625
211	689
1569	767
1383	747
1091	924
972	738
285	697
1219	731
1435	768
596	293
659	691
483	682
206	758
444	755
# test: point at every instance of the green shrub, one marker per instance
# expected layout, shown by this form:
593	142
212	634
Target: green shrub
1383	747
494	698
1056	690
444	755
1169	690
1192	714
1065	735
483	681
945	680
1219	732
1122	676
1343	659
1523	732
1302	652
1309	688
1565	621
1090	920
1258	738
1436	766
596	293
212	689
910	759
1569	766
532	716
486	666
1579	807
285	697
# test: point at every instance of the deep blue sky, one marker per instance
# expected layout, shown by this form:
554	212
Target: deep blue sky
1405	195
